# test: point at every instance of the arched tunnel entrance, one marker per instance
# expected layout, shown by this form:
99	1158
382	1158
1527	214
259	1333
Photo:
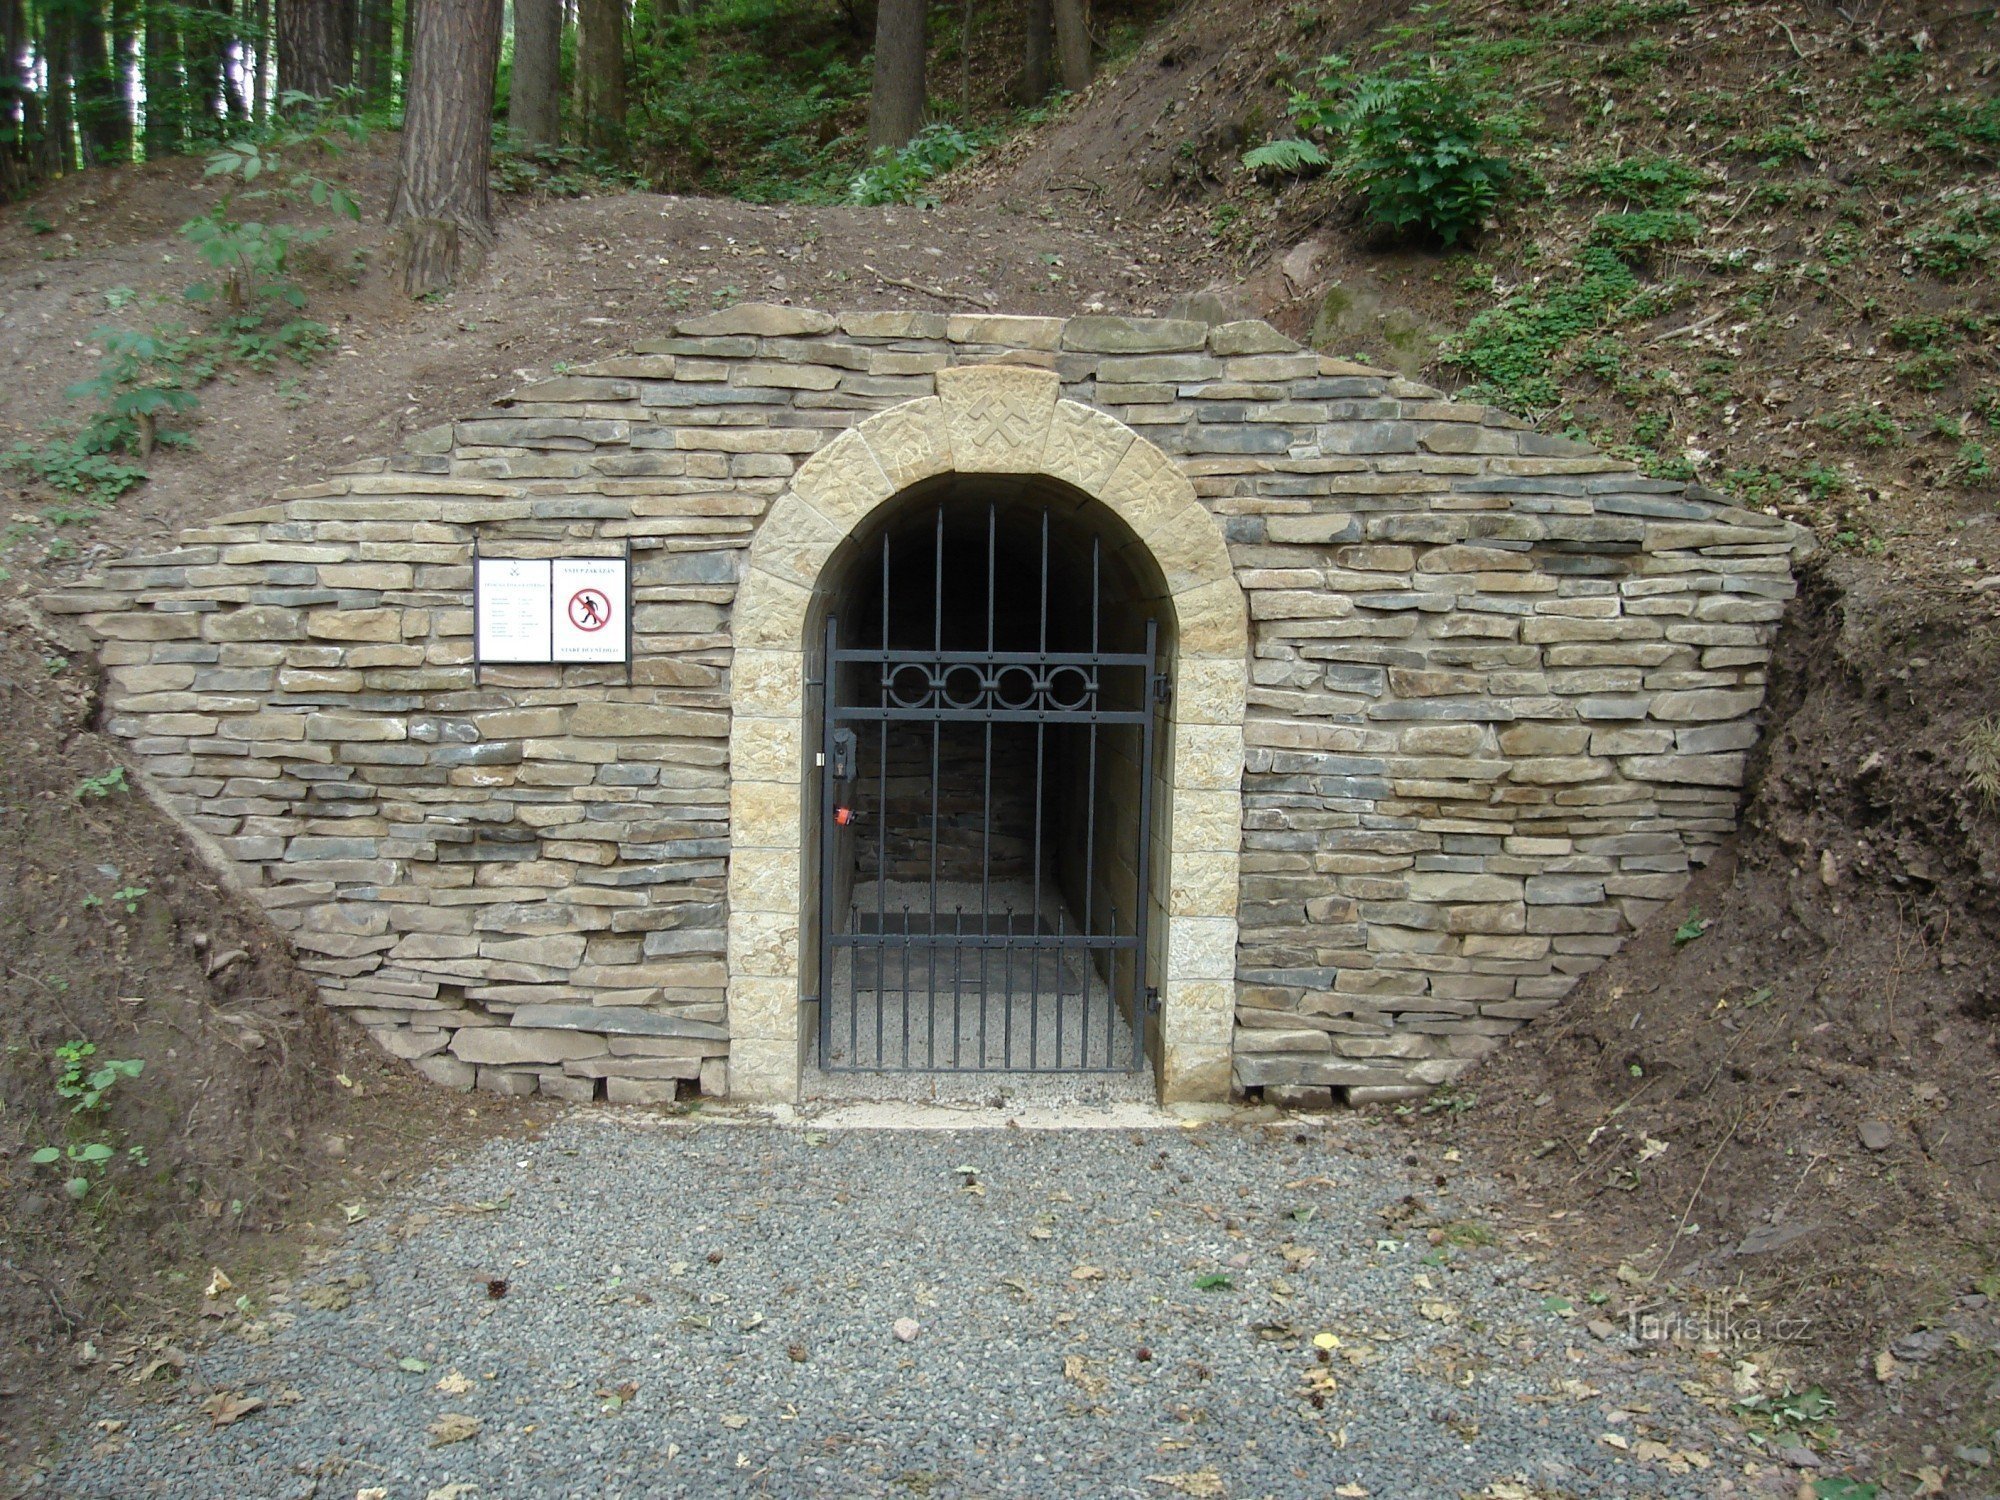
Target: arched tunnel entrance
992	660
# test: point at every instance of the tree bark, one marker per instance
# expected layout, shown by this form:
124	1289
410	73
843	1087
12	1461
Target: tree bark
16	102
166	100
375	51
206	27
600	74
896	100
315	47
56	151
1035	55
534	98
260	79
444	200
1073	44
102	125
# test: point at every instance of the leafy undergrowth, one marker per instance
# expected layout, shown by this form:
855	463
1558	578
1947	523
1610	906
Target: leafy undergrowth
1750	244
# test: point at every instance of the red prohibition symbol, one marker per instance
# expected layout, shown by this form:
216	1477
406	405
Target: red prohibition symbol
589	610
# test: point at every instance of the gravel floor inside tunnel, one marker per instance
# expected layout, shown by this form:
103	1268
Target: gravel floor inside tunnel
698	1308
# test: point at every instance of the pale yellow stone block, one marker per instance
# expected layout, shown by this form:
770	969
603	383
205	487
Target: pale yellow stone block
1195	1075
1201	948
763	1072
764	944
1084	446
767	684
1204	883
1207	820
1146	489
1199	1012
764	814
762	1006
769	613
765	880
997	416
794	542
765	749
842	482
1208	757
908	442
1210	690
1189	551
1212	621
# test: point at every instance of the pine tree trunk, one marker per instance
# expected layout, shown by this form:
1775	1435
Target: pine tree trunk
18	106
444	202
260	78
1035	56
375	51
315	47
534	100
600	74
166	100
1073	44
205	36
100	109
56	149
896	102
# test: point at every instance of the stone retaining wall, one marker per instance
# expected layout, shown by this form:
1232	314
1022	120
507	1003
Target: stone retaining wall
1500	694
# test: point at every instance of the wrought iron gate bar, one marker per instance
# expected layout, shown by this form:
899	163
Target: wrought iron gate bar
935	949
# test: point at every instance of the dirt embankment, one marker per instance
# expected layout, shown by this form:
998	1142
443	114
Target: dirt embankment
1774	1113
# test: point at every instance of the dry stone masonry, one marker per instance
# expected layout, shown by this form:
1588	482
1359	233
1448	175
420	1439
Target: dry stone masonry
1491	700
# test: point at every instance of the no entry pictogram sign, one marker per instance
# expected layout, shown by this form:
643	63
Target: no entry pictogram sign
589	609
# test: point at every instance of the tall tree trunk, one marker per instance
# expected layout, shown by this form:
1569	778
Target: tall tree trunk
1073	44
166	113
205	36
315	47
896	101
260	79
444	202
19	109
534	100
100	113
57	148
1040	21
600	74
375	51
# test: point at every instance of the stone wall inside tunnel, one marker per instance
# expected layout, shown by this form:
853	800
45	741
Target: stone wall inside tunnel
1456	707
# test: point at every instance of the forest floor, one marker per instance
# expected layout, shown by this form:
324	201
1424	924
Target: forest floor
1778	1127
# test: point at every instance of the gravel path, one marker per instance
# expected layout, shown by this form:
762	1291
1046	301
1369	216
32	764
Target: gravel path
713	1309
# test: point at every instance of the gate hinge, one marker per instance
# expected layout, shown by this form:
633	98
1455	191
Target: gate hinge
1163	688
1152	999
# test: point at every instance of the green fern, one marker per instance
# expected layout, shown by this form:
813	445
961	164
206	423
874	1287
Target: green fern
1285	156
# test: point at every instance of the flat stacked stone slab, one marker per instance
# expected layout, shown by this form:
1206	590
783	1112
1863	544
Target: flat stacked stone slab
1501	693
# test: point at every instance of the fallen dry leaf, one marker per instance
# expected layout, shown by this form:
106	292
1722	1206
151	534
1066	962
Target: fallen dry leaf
225	1408
1203	1484
453	1427
455	1384
1087	1273
217	1283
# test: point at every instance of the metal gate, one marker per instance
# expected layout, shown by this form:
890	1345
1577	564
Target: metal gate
963	963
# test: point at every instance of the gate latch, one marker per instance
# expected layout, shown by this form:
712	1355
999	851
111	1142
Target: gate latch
1163	688
1152	999
846	748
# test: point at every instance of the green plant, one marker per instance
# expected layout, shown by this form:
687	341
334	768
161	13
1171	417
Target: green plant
1863	425
1412	140
1695	926
1974	468
1981	744
1656	182
1510	349
1633	236
71	466
903	176
86	1083
103	784
88	1154
128	896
